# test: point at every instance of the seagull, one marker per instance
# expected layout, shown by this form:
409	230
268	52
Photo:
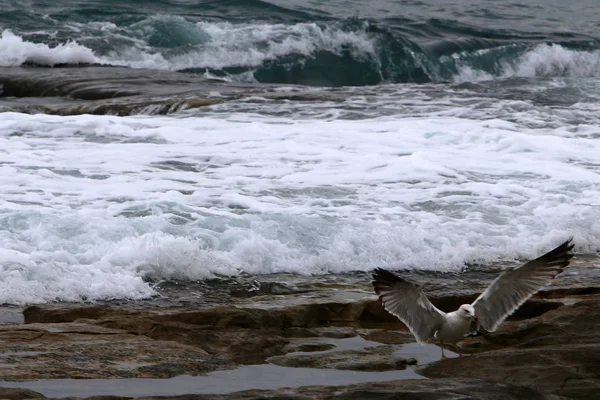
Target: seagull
505	295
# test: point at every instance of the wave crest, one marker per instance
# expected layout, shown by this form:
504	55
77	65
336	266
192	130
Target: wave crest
335	53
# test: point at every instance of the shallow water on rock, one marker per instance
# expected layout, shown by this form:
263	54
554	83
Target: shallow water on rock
423	353
246	377
265	377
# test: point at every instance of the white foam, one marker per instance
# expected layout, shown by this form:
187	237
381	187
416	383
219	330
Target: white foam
93	205
14	51
543	60
556	61
466	73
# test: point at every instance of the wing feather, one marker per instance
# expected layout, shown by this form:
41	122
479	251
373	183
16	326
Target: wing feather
513	287
408	303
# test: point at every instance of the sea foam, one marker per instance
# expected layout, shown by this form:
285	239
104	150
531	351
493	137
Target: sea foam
98	207
543	60
14	51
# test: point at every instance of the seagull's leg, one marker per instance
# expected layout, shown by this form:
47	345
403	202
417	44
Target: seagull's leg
442	347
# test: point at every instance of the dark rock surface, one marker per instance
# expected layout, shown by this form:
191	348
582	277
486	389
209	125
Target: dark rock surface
442	389
112	90
18	394
370	359
549	349
558	351
80	350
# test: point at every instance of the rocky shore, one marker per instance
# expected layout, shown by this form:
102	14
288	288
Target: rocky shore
550	349
108	90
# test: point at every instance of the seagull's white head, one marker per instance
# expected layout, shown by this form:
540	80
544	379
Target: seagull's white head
467	310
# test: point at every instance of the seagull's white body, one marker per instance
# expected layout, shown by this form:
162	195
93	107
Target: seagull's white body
505	294
455	326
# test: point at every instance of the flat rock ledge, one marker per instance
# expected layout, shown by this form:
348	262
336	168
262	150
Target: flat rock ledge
440	389
549	350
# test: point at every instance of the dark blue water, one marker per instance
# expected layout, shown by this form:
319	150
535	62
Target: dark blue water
323	43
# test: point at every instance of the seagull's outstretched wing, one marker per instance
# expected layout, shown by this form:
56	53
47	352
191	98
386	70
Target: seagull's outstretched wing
407	302
513	287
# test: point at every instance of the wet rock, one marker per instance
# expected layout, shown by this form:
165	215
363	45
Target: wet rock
389	336
18	394
575	322
244	336
442	389
297	332
558	351
102	90
446	390
336	332
258	288
242	346
100	398
75	350
369	359
310	347
63	314
551	342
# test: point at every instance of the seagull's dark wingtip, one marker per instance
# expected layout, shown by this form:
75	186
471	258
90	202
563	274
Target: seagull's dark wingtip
570	244
560	256
383	279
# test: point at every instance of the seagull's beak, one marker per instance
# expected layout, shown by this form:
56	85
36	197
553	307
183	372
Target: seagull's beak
474	317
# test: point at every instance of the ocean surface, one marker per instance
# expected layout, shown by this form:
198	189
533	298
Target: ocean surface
152	141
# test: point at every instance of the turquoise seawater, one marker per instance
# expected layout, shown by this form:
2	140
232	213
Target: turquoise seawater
325	43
